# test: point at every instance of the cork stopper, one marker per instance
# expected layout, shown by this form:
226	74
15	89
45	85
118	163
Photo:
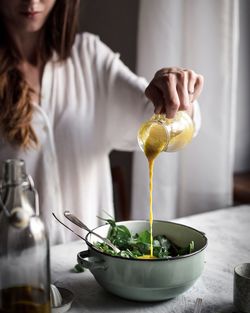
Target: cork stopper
14	172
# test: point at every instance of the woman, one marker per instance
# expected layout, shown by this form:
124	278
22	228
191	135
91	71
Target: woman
66	101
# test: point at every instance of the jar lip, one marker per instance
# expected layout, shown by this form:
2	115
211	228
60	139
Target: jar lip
158	117
163	115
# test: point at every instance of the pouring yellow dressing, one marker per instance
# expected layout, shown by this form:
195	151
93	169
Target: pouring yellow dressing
154	144
157	135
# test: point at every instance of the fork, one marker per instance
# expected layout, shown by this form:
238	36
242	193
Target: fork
197	307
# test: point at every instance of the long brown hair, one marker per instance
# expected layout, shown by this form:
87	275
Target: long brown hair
16	109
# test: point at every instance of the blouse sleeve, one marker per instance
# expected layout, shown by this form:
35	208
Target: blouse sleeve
121	96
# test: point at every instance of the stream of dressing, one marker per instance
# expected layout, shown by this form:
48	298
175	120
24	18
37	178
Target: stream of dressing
155	143
156	139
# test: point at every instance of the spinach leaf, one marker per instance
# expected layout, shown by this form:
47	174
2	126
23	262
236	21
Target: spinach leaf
119	235
187	250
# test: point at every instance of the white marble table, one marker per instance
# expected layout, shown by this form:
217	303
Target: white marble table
228	233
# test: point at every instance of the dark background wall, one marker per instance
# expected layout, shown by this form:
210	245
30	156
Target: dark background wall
116	24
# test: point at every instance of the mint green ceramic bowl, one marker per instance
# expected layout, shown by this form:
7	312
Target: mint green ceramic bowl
145	279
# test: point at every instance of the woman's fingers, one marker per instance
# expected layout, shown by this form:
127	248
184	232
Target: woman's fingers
198	87
171	99
154	94
166	100
174	89
182	90
191	81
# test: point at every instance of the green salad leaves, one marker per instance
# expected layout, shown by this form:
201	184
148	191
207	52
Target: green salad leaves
138	245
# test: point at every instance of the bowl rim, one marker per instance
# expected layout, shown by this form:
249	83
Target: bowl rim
91	246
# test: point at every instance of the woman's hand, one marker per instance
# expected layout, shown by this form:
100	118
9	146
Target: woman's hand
174	89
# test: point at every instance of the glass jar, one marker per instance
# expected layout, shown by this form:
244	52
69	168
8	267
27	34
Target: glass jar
24	247
163	134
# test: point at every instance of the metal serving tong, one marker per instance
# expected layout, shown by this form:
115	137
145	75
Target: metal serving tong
75	220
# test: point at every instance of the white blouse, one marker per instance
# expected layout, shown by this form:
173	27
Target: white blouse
91	104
